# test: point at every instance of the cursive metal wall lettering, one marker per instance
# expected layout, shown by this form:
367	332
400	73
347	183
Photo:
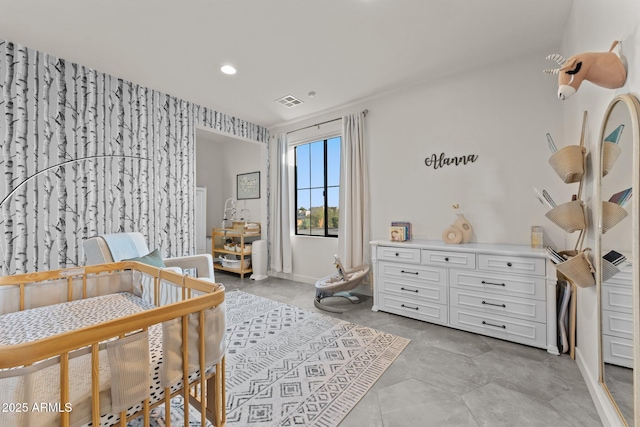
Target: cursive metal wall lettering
440	161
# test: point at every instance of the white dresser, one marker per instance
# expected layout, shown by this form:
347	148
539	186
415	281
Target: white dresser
501	291
617	319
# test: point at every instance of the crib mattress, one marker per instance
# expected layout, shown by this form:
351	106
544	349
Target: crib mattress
34	324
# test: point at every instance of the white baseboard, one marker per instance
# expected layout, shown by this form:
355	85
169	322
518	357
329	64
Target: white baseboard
363	289
608	414
294	277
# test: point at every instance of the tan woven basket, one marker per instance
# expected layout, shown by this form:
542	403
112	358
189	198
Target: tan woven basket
578	268
610	153
568	216
612	213
568	163
608	270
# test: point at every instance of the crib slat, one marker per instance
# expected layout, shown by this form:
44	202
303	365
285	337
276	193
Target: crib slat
123	419
146	412
221	410
64	388
185	365
21	296
156	291
95	384
203	402
70	288
167	406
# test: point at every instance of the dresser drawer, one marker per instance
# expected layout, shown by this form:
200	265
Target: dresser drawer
528	309
516	330
413	273
409	255
413	291
617	324
428	312
448	259
505	284
616	298
618	351
512	264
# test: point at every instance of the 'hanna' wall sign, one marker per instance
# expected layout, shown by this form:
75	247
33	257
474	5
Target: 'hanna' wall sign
440	161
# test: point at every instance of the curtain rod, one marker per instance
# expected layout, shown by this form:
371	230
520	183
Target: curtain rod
365	112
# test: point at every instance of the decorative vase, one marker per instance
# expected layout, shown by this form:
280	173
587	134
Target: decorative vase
452	235
465	228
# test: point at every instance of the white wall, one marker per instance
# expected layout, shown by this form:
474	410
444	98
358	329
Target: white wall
500	113
592	26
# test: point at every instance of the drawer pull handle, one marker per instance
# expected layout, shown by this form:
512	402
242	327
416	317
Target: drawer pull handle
491	324
397	254
408	306
491	283
497	305
447	259
409	272
509	264
409	290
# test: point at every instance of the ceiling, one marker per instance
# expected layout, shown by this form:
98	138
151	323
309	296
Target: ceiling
344	50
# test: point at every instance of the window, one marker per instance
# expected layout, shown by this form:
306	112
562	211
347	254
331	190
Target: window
318	187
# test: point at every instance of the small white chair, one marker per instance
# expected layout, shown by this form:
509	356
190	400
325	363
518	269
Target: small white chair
339	284
116	247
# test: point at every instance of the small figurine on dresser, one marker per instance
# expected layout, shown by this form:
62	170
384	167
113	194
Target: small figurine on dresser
460	231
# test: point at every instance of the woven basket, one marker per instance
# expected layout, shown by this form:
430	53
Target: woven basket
568	163
578	268
612	213
568	216
610	153
608	270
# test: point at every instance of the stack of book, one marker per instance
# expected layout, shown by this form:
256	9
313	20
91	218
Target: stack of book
615	258
400	231
554	256
544	198
621	198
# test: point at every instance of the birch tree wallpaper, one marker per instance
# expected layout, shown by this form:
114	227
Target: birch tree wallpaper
139	175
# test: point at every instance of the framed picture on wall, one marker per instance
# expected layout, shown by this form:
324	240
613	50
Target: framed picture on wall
248	186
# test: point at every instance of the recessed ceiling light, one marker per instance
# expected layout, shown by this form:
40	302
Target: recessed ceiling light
228	69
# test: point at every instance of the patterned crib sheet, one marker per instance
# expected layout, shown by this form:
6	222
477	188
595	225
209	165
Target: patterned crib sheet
34	324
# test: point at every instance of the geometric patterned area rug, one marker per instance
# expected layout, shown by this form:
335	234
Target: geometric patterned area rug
287	366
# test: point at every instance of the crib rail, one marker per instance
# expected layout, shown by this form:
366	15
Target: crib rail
207	393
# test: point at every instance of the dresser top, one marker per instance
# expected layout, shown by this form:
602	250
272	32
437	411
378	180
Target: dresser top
485	248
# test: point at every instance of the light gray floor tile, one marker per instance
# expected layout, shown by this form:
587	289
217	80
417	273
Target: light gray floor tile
443	369
532	353
521	374
366	413
413	403
425	385
456	341
619	381
567	370
577	407
496	406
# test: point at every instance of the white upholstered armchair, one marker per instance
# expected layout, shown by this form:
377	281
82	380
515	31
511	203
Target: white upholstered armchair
116	247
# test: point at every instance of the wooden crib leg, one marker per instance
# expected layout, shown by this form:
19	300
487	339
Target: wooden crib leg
167	406
216	405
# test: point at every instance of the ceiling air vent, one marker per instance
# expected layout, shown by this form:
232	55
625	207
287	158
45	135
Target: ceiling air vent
289	101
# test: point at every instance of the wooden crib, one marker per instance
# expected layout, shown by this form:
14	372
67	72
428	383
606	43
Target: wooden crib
96	356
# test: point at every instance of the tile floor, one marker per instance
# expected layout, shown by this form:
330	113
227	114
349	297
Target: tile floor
447	377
